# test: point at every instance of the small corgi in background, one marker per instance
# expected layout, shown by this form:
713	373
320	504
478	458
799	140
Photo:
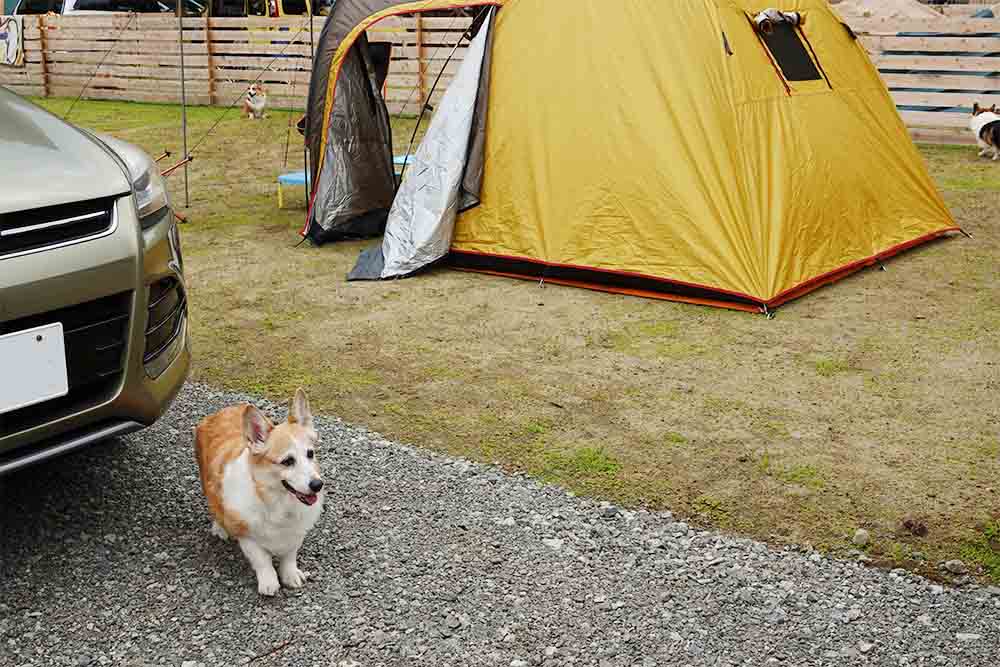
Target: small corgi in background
263	485
985	124
255	101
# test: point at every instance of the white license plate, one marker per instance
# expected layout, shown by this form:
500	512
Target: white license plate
32	367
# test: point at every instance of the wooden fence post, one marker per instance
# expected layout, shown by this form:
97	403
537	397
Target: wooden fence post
420	61
211	62
43	48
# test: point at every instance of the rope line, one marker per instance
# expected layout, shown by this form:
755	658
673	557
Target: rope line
420	74
114	43
240	96
291	112
465	35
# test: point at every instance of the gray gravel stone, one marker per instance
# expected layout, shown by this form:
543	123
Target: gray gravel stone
956	567
462	569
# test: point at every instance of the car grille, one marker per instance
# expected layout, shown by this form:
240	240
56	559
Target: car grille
95	335
167	307
24	231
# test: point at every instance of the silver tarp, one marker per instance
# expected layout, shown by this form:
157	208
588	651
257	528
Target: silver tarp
422	218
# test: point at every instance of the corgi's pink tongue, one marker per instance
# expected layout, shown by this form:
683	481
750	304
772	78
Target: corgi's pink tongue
304	498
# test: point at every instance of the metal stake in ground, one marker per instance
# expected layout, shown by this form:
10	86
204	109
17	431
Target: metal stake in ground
184	131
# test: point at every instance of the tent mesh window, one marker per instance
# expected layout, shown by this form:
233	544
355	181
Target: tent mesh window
790	53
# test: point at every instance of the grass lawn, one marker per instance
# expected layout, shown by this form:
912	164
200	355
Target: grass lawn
864	404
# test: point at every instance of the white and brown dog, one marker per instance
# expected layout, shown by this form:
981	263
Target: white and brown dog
985	124
263	485
255	101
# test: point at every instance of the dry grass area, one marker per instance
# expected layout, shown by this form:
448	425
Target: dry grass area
869	402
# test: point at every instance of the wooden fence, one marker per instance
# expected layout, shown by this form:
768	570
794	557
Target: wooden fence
138	58
935	68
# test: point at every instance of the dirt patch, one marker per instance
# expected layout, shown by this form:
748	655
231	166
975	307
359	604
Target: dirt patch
862	404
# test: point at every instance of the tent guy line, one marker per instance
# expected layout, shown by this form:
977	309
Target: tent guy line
86	84
467	35
189	157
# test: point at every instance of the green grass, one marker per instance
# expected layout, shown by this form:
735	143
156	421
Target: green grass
711	508
804	475
830	367
984	551
581	462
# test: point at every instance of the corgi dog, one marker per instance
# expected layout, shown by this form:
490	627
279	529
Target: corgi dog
263	485
985	124
255	101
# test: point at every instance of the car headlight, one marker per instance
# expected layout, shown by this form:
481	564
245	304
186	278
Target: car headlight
150	192
150	189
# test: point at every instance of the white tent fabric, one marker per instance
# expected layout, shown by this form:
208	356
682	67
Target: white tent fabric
422	218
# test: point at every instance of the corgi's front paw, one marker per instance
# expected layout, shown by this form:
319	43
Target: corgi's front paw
267	583
293	577
219	531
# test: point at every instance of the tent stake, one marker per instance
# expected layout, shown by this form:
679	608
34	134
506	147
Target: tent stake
967	234
881	265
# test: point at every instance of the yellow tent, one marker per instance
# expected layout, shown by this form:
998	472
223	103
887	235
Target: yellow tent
699	150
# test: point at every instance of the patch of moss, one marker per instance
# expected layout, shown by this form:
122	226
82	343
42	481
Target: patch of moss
804	475
711	508
649	338
581	462
537	427
830	367
985	549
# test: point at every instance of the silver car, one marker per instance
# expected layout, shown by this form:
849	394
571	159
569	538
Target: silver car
93	307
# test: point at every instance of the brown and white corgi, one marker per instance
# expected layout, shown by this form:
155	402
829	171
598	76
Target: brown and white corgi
263	485
985	124
255	101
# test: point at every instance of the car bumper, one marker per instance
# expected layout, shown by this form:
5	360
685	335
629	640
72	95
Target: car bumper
121	272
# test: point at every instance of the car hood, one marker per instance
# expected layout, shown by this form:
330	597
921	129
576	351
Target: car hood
46	161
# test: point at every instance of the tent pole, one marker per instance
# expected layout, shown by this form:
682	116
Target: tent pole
184	131
312	60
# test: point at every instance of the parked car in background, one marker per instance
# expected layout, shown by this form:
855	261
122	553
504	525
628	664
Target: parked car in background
93	307
272	8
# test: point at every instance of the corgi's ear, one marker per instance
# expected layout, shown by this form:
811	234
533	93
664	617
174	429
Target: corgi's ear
299	412
256	429
975	108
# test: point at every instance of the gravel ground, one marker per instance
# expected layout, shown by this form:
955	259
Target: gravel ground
106	559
